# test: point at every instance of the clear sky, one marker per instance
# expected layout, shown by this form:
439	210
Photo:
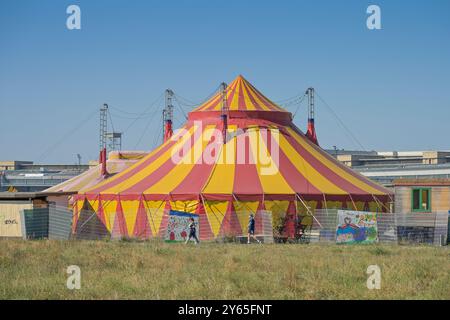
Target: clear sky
390	87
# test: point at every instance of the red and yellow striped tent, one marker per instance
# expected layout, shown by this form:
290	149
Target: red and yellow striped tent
265	164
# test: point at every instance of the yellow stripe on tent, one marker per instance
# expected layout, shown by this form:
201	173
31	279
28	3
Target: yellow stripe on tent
189	206
374	207
155	213
276	206
221	180
243	210
110	211
234	105
130	210
334	204
215	212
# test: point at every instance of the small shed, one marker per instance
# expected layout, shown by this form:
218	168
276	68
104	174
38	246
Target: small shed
422	195
422	209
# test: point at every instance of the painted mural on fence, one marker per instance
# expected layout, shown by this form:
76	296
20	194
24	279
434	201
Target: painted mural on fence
356	227
178	226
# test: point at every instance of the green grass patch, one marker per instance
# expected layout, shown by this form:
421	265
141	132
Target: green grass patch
159	270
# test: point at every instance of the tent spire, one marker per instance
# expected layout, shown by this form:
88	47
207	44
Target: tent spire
311	131
168	116
224	110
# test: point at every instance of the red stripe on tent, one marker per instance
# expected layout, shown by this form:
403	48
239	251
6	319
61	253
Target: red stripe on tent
241	98
196	179
204	228
164	221
142	228
230	224
246	179
230	98
120	227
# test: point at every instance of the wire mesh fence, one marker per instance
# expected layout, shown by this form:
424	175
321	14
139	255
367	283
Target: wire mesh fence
402	228
322	226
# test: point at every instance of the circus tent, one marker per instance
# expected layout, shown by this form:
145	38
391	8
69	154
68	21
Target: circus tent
256	160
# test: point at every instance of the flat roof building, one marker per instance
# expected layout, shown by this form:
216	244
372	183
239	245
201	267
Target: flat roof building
384	167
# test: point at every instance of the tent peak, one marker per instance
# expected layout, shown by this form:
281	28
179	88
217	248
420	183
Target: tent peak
242	96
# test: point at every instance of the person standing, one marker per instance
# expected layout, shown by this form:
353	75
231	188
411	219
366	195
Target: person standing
192	232
251	229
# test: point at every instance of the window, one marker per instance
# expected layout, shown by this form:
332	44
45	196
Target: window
421	200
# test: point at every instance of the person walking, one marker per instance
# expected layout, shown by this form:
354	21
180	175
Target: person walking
251	229
192	232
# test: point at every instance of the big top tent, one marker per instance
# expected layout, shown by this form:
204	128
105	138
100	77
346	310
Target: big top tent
239	152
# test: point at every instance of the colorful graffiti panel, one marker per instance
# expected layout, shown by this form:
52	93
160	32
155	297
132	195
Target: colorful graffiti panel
356	227
178	226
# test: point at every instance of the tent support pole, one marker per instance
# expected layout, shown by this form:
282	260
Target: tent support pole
325	202
307	209
354	205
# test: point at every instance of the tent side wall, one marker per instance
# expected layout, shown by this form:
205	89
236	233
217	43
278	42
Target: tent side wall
145	219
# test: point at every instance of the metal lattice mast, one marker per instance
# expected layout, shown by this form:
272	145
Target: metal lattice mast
310	93
311	131
224	113
103	126
168	116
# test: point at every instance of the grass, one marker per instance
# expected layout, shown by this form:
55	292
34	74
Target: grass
157	270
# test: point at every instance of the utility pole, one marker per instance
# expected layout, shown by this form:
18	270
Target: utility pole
311	131
168	116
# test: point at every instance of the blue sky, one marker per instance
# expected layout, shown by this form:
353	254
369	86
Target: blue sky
390	87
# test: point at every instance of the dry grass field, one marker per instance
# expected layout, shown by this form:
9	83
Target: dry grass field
157	270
